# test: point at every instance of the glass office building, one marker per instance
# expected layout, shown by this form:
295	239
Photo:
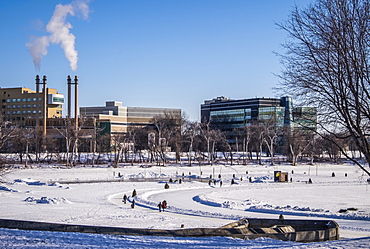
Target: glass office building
228	114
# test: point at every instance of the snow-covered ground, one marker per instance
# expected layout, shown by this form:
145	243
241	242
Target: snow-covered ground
42	194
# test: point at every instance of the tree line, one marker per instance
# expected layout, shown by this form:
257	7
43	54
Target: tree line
170	139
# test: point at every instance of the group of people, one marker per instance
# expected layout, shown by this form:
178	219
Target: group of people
214	182
124	200
162	205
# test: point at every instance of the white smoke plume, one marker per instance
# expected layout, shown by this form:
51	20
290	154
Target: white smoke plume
60	33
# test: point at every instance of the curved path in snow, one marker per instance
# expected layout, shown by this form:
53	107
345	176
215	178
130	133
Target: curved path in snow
184	202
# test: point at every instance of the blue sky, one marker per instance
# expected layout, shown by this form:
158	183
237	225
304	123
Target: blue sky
152	53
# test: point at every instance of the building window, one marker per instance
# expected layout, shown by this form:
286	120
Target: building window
8	100
272	113
34	99
58	99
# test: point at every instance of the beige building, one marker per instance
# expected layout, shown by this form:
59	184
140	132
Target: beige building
114	118
21	103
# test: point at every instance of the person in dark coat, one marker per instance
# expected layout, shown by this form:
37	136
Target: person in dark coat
124	199
133	204
160	206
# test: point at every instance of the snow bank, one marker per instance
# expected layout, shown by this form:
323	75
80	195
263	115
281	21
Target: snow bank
46	200
4	188
29	181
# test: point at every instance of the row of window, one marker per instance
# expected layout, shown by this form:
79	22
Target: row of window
23	100
21	112
26	106
23	106
28	112
231	115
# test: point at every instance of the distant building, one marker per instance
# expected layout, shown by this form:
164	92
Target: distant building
20	103
228	114
113	118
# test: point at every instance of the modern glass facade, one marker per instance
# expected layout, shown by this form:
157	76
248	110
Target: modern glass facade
274	114
227	114
305	118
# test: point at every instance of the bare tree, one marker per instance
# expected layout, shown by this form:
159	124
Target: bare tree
169	133
258	134
19	142
68	135
211	136
119	143
327	63
296	142
7	130
271	135
190	130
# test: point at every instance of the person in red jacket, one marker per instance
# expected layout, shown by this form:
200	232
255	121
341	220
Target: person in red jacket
164	205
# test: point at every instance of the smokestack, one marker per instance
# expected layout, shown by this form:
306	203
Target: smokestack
44	105
37	83
76	102
69	97
37	115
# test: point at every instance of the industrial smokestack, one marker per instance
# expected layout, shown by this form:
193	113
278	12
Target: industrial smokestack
76	102
37	83
44	96
37	115
69	96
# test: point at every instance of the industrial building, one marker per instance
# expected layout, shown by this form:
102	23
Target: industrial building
113	118
21	103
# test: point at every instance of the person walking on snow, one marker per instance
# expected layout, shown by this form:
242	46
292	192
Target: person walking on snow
133	204
160	206
124	199
164	205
